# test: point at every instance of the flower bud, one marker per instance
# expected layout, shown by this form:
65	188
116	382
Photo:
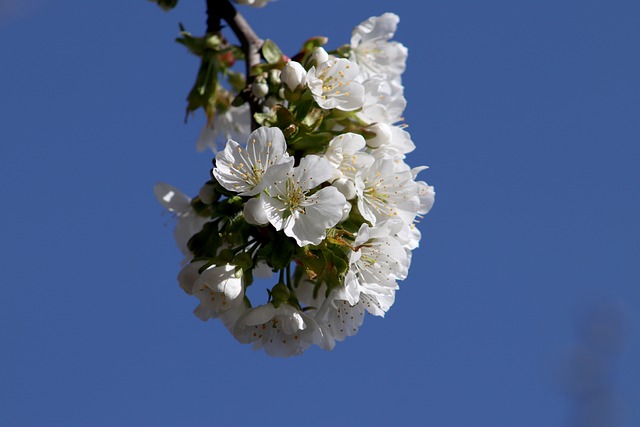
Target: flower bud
254	212
280	294
270	102
319	56
346	187
207	193
274	77
383	135
243	260
293	75
259	89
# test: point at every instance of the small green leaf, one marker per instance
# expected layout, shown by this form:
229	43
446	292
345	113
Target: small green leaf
313	262
266	119
313	119
271	52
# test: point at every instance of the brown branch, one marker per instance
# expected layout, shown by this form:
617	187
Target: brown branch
217	10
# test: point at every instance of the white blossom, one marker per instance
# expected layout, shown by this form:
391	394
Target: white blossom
219	289
426	192
284	331
383	101
189	223
335	316
234	123
342	169
292	206
241	169
346	156
396	146
333	85
386	190
373	51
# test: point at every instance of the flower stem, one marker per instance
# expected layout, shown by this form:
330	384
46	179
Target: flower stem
217	10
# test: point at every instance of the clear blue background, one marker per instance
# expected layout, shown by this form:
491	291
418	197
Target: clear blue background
527	113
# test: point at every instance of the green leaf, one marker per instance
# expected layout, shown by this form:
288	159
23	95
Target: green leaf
236	80
311	143
271	52
337	265
313	262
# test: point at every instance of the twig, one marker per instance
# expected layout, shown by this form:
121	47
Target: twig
217	10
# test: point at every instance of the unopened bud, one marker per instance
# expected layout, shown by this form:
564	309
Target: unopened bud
319	56
243	260
293	75
254	212
280	293
274	77
259	89
207	193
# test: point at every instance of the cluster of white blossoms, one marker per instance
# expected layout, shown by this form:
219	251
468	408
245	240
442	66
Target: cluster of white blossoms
318	201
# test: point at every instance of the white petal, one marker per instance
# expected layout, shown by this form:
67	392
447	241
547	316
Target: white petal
189	275
312	171
259	315
171	198
323	210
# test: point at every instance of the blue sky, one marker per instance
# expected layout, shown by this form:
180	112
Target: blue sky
527	274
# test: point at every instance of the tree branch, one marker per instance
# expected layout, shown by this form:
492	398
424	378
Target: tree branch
217	10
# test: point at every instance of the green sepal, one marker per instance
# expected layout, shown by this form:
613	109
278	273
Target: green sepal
297	275
343	51
206	242
225	257
280	294
238	101
337	265
247	278
230	206
311	143
311	43
278	252
313	119
243	260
